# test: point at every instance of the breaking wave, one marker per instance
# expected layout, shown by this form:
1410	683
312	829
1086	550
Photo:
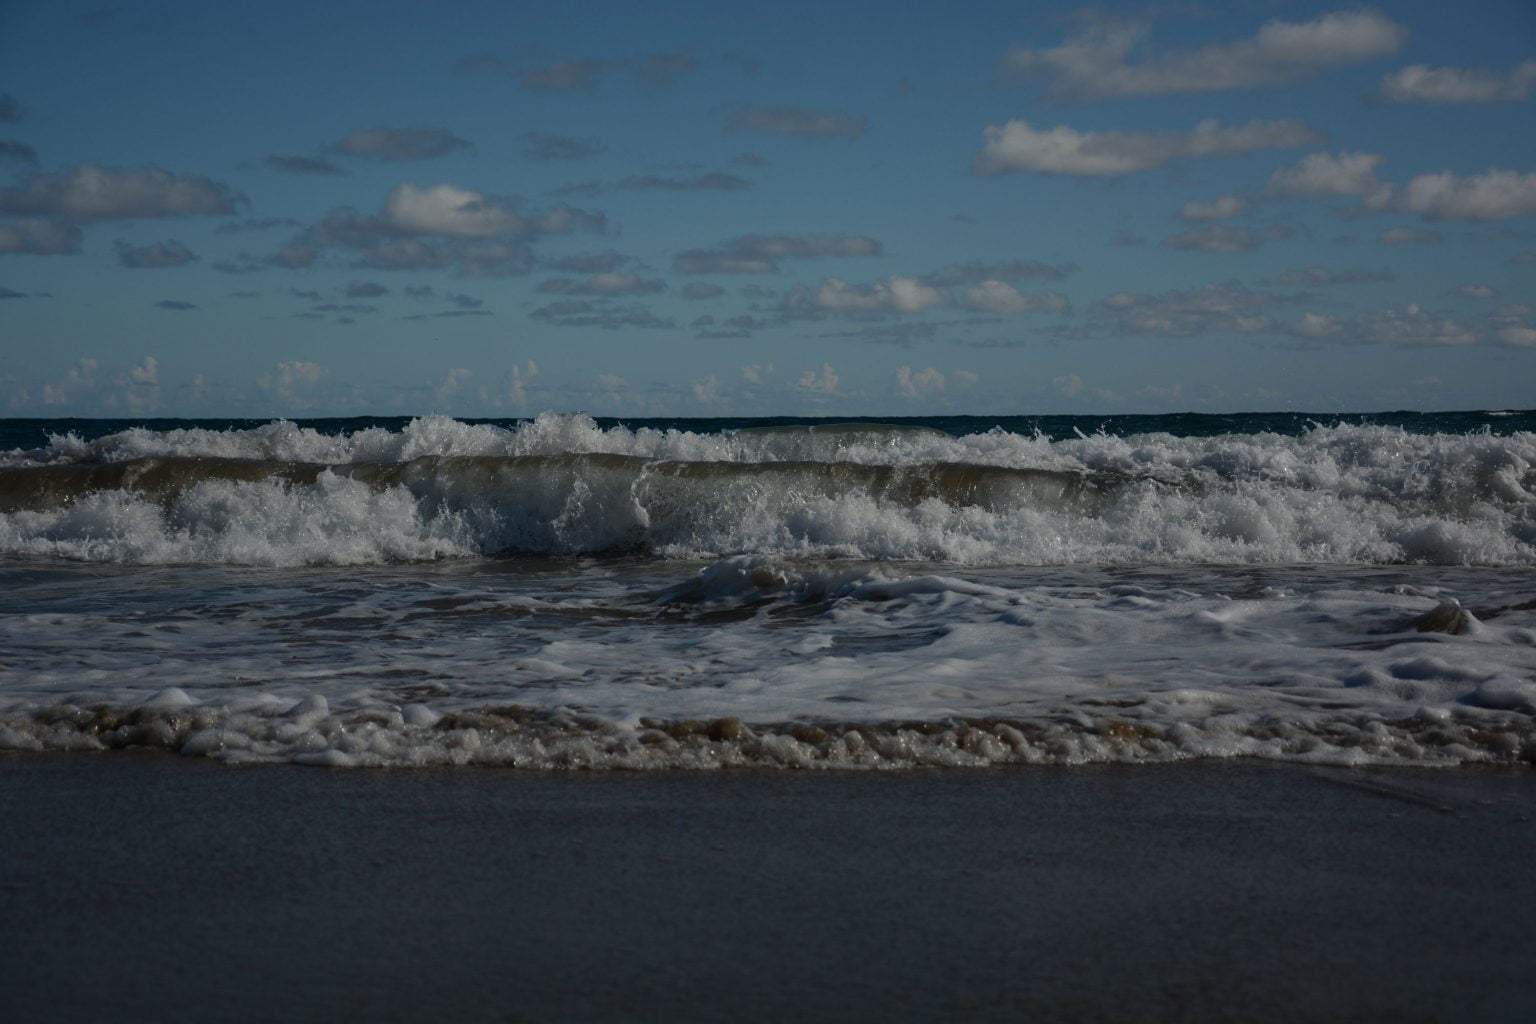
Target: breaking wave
282	494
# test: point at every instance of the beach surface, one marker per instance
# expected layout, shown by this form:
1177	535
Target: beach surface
141	886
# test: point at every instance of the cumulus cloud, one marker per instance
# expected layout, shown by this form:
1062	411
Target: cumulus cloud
897	294
1016	146
1408	236
294	382
1313	276
1002	298
1319	175
705	390
450	211
17	152
438	226
611	283
760	254
91	192
452	383
1224	306
801	122
515	386
398	143
170	253
1492	195
926	383
1402	327
1095	64
302	165
714	181
823	383
1420	83
1516	336
1221	208
1226	238
39	237
546	146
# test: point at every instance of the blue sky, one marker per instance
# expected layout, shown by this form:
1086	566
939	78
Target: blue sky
488	209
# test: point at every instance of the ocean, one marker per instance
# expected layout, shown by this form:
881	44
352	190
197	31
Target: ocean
564	592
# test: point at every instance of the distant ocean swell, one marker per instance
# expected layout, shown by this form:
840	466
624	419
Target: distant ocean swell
437	488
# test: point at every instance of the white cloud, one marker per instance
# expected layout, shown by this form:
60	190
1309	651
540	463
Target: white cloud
1420	83
515	385
1409	327
1318	325
451	384
1094	64
896	294
451	211
293	382
91	192
1516	336
39	237
705	390
1477	291
1321	175
1492	195
1219	209
922	384
1401	326
1225	306
756	372
824	383
1003	298
147	372
1015	146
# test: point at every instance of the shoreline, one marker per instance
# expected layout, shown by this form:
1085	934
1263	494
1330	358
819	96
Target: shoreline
140	886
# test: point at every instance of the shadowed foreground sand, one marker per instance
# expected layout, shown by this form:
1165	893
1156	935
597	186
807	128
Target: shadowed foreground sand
138	887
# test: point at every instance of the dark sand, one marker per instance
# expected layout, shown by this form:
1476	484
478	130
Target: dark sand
139	887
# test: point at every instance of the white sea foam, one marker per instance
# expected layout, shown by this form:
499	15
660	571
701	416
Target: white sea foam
760	661
559	484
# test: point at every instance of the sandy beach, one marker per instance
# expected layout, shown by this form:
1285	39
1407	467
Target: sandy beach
148	887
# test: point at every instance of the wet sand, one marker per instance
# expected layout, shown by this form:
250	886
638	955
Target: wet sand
144	887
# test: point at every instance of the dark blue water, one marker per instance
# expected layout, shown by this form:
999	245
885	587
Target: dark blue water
34	433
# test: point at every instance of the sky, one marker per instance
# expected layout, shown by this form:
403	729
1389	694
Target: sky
705	209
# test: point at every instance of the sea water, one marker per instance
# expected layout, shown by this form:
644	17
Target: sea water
563	592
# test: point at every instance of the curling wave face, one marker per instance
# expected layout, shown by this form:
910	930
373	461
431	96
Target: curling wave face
284	495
